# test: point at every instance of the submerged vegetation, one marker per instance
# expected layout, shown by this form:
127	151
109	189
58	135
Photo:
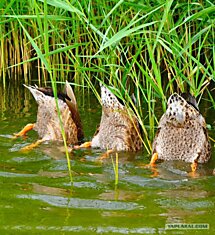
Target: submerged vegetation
149	48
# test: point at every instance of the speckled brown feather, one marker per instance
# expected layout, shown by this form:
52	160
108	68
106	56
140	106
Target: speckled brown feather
48	124
118	130
182	133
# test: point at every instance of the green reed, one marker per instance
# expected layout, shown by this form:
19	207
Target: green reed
147	48
45	60
116	168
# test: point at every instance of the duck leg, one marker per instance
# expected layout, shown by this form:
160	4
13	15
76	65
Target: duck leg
106	154
152	166
193	172
26	129
194	166
152	162
153	159
33	145
84	145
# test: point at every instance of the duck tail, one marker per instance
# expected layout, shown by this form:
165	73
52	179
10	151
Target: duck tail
69	92
72	104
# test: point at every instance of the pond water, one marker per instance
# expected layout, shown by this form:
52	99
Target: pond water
36	195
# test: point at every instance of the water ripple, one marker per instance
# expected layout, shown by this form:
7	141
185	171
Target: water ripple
185	204
10	174
78	203
153	182
98	230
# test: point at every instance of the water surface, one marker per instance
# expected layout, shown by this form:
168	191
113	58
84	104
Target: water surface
37	196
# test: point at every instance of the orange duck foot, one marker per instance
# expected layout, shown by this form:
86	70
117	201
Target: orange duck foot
155	172
193	173
153	159
26	129
152	165
194	166
84	145
31	146
106	154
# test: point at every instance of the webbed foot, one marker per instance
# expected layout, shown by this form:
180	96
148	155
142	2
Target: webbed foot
84	145
26	129
31	146
106	154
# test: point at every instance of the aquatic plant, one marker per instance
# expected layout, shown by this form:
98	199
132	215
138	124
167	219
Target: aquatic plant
116	168
150	49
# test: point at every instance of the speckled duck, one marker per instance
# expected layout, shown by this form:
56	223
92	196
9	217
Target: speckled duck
182	133
48	124
118	130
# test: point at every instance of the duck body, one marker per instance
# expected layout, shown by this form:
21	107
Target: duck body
48	123
182	133
118	129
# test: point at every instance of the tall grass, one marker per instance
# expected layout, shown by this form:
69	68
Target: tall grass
116	168
149	48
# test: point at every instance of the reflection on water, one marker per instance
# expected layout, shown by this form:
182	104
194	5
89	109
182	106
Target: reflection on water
37	182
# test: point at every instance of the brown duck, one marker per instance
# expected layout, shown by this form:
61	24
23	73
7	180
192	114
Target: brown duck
182	133
118	130
48	123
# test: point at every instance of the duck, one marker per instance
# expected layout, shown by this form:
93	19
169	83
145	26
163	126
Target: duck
182	133
48	124
119	129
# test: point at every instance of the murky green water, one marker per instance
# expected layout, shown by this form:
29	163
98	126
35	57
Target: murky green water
36	196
